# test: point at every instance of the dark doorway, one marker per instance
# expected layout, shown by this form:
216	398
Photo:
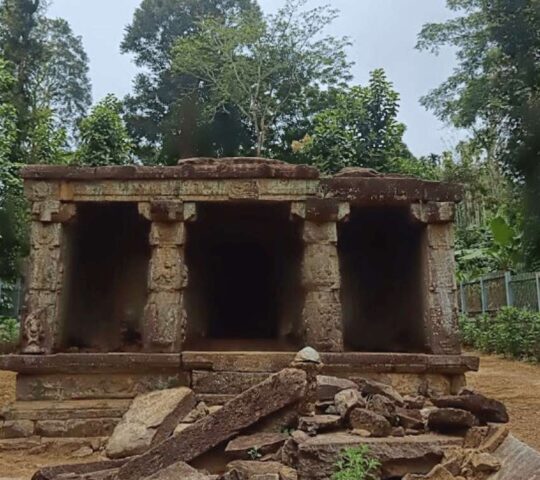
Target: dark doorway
106	276
244	276
380	252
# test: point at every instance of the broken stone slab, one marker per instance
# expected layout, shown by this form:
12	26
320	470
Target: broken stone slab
200	411
438	473
242	448
16	429
414	402
448	420
486	409
375	424
319	423
178	471
89	471
348	399
278	391
317	456
485	462
409	418
248	469
383	406
518	461
371	387
150	419
328	387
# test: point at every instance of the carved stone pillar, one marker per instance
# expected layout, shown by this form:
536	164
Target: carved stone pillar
164	314
440	289
321	315
41	315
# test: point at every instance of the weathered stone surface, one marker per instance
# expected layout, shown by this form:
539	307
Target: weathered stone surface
229	383
486	409
317	456
438	473
362	419
200	411
262	443
84	469
275	393
450	420
416	402
485	462
75	427
328	386
252	468
151	418
178	471
371	387
518	461
474	437
320	268
383	406
81	387
319	423
494	438
409	418
16	429
265	362
348	399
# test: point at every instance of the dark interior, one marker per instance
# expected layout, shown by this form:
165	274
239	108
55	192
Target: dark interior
108	256
244	277
380	252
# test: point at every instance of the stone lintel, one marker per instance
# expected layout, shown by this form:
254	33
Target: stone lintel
162	211
321	210
433	212
388	190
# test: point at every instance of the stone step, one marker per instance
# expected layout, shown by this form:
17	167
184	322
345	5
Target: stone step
53	446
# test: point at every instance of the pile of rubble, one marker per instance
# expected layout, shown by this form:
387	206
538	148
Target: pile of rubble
295	425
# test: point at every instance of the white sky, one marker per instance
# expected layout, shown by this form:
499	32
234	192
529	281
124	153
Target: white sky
383	33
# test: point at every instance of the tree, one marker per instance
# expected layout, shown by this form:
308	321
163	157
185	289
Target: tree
263	66
360	129
163	120
50	65
495	91
104	137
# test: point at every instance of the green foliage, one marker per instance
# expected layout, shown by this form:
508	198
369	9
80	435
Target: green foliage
104	137
9	331
254	454
357	464
163	113
263	66
360	129
495	91
512	332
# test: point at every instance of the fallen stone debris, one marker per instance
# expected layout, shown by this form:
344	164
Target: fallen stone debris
170	435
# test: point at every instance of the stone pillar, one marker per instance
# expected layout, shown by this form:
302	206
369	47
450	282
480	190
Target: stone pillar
41	323
164	314
440	289
321	315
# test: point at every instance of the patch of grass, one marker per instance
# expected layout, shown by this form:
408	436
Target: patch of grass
357	464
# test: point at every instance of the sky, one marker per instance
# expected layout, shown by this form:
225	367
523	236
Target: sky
383	33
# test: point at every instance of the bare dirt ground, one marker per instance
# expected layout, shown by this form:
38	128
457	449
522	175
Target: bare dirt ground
515	383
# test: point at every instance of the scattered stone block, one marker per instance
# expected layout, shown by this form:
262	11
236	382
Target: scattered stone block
415	402
474	437
87	471
152	417
328	387
363	419
486	409
241	448
371	387
278	391
485	462
348	399
319	423
494	438
200	411
178	471
449	420
252	468
409	418
383	406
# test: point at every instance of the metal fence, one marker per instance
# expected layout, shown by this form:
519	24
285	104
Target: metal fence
492	292
11	299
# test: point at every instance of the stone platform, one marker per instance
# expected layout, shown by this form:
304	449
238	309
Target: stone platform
86	394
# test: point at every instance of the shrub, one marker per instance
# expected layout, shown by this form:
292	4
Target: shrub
357	464
9	334
512	332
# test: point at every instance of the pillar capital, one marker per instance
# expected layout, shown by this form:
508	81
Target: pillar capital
433	212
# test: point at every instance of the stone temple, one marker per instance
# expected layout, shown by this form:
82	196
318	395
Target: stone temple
213	273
